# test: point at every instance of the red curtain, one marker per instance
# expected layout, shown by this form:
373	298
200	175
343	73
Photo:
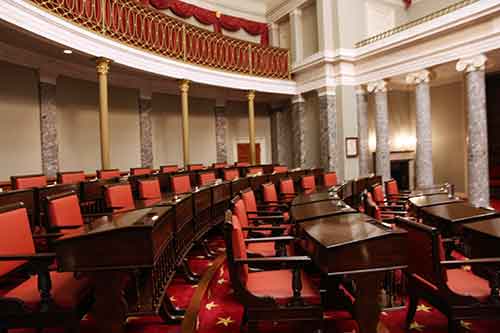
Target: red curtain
407	3
209	17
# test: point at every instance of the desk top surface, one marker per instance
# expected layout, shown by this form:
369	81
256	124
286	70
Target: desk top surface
432	200
457	212
319	209
489	227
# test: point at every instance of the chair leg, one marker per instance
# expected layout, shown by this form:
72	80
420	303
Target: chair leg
188	274
412	309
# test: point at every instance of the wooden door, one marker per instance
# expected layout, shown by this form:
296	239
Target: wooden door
244	152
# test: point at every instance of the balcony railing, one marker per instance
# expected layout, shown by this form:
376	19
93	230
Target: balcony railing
129	22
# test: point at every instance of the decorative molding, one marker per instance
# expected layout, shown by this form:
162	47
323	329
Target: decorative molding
472	64
296	12
283	9
327	91
253	10
298	99
418	77
47	75
377	86
361	90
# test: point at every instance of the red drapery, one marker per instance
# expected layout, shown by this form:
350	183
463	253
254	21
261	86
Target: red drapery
407	3
209	17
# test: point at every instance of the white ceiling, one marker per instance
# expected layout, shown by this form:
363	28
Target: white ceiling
251	9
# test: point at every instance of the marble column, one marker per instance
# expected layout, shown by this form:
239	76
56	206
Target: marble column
383	158
220	132
328	128
298	112
48	126
364	149
281	136
146	131
478	178
425	176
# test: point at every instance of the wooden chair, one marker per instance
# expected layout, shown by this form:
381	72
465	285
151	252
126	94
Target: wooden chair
231	174
458	293
169	168
392	191
271	199
280	169
242	164
219	165
287	190
195	167
108	174
330	179
70	177
119	197
205	178
140	171
308	184
28	181
255	171
47	298
379	213
381	200
280	293
149	188
181	184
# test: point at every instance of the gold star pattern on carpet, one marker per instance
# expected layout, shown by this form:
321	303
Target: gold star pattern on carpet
210	306
225	321
221	272
221	281
423	308
465	324
210	264
416	326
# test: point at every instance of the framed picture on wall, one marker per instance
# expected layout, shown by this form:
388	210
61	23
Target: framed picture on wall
351	147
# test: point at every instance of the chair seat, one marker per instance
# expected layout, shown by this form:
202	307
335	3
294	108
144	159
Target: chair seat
266	249
278	285
466	283
66	291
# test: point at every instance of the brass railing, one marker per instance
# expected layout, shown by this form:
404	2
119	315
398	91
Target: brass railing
129	22
411	24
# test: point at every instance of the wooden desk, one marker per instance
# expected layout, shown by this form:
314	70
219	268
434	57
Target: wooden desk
303	199
319	209
358	246
482	238
420	202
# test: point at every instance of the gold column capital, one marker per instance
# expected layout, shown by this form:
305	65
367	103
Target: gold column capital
184	85
251	95
102	65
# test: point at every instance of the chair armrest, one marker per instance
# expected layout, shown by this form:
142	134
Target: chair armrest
269	239
263	212
268	218
295	260
393	212
294	194
470	262
264	228
391	207
97	214
38	257
47	235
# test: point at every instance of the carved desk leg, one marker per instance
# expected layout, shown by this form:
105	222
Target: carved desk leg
366	307
110	307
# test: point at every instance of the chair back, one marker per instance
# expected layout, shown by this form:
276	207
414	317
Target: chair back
28	181
149	188
70	177
119	196
195	167
391	187
15	236
308	184
219	165
425	251
206	178
378	194
269	193
330	179
248	197
140	171
235	249
64	211
231	174
108	173
181	184
280	169
255	170
287	187
239	209
370	207
242	164
169	168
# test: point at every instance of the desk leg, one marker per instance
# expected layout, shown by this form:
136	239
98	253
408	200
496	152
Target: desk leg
110	307
366	307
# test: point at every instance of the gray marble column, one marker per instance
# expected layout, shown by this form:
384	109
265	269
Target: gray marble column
328	128
478	178
298	113
146	132
48	128
383	161
281	136
425	176
220	133
364	149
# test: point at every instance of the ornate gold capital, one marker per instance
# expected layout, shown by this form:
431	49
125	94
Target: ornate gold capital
103	65
184	86
251	95
377	86
472	64
422	76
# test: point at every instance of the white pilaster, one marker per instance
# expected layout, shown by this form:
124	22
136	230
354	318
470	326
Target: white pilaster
296	38
324	13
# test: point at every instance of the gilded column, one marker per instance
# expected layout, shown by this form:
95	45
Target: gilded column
102	73
328	128
48	124
478	179
364	149
383	162
146	130
220	131
425	176
184	87
251	125
298	131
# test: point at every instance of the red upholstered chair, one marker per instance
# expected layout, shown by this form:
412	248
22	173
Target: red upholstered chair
308	184
108	174
242	164
48	298
380	213
28	181
119	197
392	191
169	168
206	178
181	184
64	212
330	179
231	174
281	293
219	165
458	293
255	170
381	201
70	177
287	190
280	169
270	196
149	189
140	171
195	167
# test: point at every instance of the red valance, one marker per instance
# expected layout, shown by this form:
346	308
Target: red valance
209	17
407	3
